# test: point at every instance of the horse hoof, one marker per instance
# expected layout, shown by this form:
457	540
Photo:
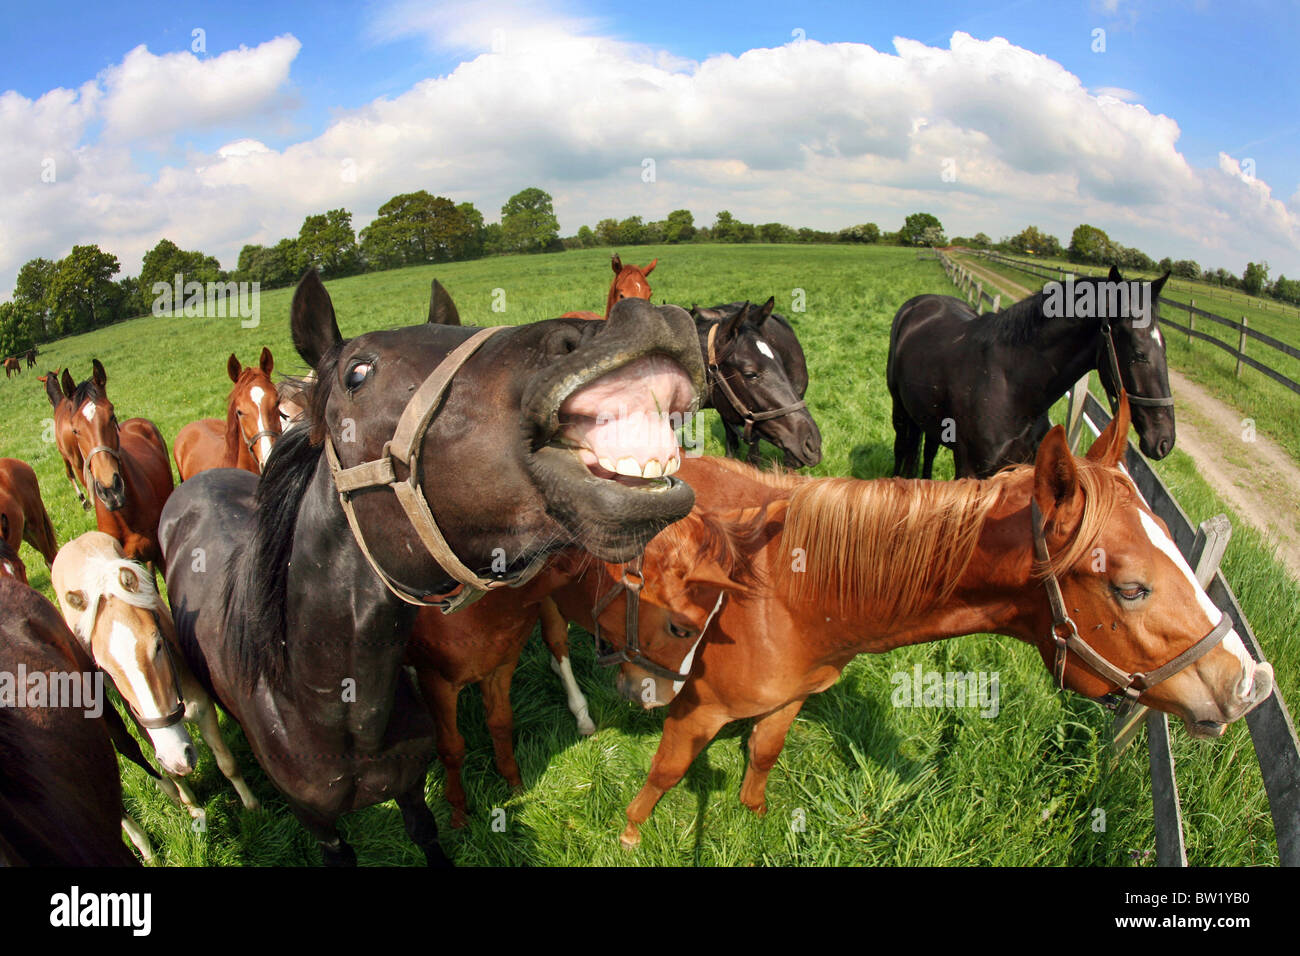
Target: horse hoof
630	839
86	506
586	727
253	804
458	819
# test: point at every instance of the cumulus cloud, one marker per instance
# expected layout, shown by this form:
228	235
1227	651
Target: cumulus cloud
987	135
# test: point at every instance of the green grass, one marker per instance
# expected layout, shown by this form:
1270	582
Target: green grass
869	783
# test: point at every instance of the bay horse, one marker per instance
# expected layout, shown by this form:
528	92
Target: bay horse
982	384
758	377
30	356
22	512
12	365
124	466
895	562
60	792
112	606
59	392
629	283
294	596
245	438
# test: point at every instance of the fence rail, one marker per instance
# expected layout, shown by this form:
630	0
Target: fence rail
1242	328
1272	731
972	287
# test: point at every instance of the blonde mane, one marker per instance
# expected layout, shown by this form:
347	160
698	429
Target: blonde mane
99	577
895	547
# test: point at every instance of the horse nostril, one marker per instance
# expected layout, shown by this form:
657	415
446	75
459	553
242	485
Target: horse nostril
1163	447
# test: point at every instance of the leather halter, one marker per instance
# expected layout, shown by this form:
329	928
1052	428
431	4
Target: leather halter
631	581
404	449
251	442
1113	359
86	476
750	418
1065	635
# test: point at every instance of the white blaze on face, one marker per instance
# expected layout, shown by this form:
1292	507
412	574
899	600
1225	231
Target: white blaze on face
1231	643
264	443
765	349
88	411
689	659
122	643
1155	334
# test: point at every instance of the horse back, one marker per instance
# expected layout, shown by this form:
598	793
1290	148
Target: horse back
199	446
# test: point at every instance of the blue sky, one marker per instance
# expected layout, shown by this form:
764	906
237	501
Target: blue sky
1224	74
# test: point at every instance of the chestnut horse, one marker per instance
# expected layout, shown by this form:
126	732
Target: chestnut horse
58	391
896	562
22	512
125	467
245	438
12	365
629	283
11	565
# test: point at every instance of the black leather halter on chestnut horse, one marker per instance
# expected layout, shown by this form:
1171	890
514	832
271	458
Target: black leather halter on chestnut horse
404	449
750	418
1065	635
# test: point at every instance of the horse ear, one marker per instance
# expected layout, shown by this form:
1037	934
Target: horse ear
616	263
67	384
267	362
233	368
1110	444
1158	284
311	319
52	388
651	267
709	574
1056	482
97	373
768	306
731	327
442	311
1114	274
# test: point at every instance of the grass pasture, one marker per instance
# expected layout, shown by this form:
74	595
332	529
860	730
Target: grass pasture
860	782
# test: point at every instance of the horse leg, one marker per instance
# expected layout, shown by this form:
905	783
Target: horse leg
138	837
683	738
179	792
555	632
732	440
211	733
907	439
931	449
765	743
75	486
334	850
501	720
420	824
440	695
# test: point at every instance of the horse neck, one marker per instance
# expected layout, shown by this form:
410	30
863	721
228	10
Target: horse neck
1052	360
237	453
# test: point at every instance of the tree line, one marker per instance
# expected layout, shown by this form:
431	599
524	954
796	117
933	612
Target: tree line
79	292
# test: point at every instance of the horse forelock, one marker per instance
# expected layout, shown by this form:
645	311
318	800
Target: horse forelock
87	391
728	543
100	577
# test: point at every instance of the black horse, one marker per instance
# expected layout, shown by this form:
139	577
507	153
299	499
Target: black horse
982	385
757	380
294	603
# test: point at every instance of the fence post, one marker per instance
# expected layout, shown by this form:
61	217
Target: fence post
1074	413
1241	345
1191	320
979	298
997	302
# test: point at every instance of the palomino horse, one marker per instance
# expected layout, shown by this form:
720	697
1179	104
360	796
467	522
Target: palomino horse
58	391
22	512
982	385
494	426
757	380
125	467
629	283
896	562
245	438
111	605
12	366
60	793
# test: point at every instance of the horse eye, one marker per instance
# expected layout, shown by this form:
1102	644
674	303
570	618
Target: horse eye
357	374
1132	593
677	631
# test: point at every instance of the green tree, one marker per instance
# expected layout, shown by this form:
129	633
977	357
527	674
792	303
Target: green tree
1088	244
775	232
1033	241
472	247
607	232
586	238
982	241
82	292
1255	277
679	226
528	222
914	232
326	241
416	228
724	228
631	232
166	260
1186	269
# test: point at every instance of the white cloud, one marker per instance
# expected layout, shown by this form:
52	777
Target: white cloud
814	134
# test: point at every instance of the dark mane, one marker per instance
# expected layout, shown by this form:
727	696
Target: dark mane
87	391
256	585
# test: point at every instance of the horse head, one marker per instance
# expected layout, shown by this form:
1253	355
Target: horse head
253	411
94	427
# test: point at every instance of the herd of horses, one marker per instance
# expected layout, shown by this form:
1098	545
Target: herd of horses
348	550
14	365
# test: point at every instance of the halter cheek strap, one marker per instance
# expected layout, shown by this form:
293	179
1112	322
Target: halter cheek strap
404	449
1108	341
750	418
1065	635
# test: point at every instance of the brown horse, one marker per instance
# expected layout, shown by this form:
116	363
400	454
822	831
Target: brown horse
125	467
12	365
22	512
59	392
11	565
827	569
629	283
60	793
245	438
30	356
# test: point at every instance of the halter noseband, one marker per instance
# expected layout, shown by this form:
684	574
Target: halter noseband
1065	635
750	418
251	442
1113	359
86	476
173	716
404	448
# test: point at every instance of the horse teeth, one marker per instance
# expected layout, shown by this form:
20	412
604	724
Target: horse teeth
629	466
672	466
607	464
652	469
